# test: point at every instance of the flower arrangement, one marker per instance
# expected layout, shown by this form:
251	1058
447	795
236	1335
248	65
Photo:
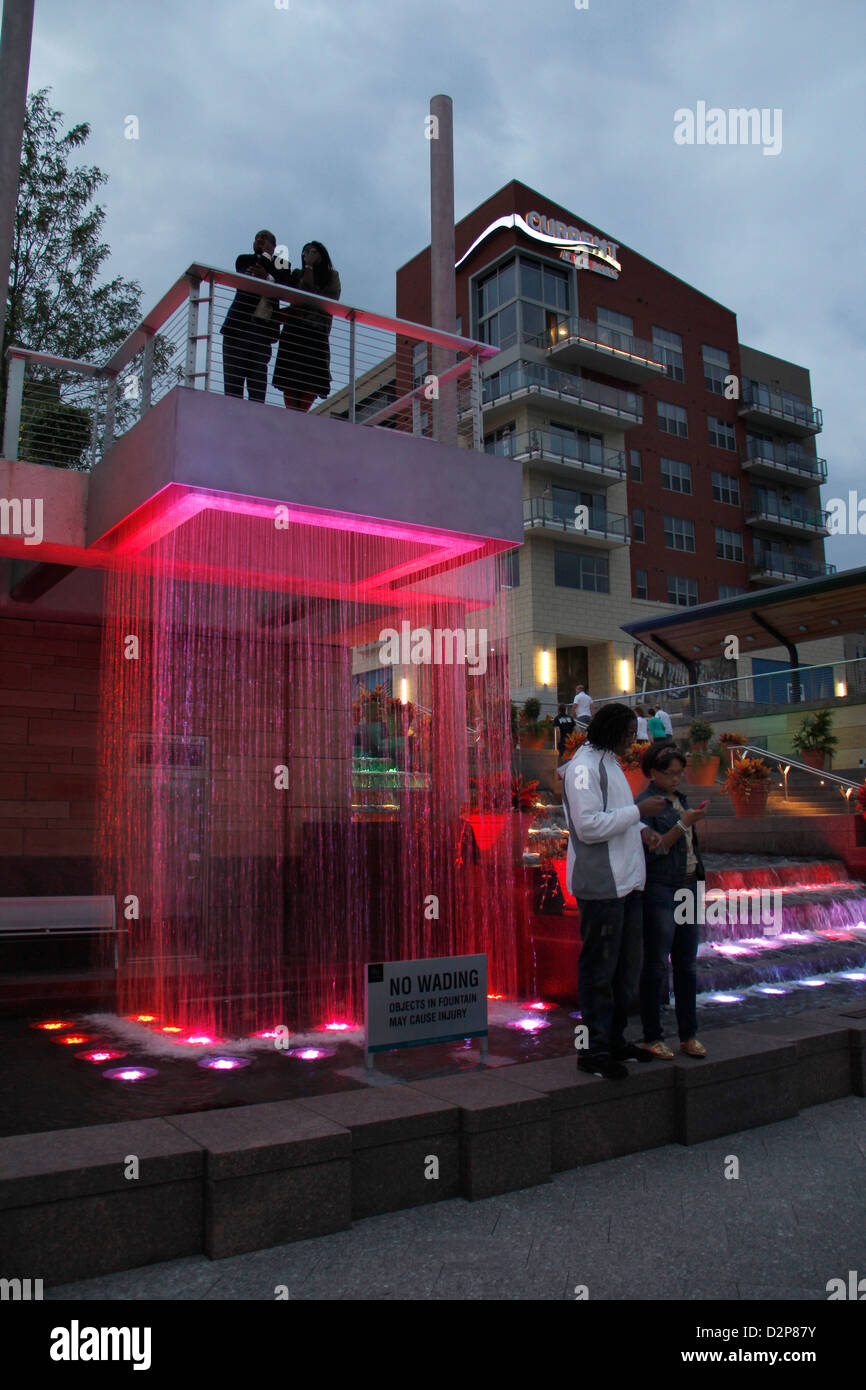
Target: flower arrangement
729	740
861	800
631	761
523	794
745	776
490	792
572	743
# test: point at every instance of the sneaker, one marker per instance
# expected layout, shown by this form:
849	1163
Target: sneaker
605	1067
632	1053
659	1048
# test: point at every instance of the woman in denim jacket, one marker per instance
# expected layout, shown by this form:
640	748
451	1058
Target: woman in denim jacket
670	927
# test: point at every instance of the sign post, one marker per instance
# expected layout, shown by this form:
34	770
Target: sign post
409	1003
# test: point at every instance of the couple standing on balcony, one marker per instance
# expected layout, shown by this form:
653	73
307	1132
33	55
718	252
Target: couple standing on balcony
254	323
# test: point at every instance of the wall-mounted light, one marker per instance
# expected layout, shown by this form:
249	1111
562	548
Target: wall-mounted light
625	676
404	691
841	690
545	668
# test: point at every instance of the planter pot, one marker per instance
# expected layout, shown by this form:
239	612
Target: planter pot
813	757
533	743
702	774
697	747
753	805
636	780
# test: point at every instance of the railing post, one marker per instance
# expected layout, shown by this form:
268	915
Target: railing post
416	415
94	432
147	375
352	336
191	331
209	355
110	399
14	397
475	401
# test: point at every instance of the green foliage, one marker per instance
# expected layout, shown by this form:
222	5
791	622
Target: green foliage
700	731
815	734
531	709
54	432
57	303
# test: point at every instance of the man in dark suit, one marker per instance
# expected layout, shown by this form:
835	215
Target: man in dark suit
249	332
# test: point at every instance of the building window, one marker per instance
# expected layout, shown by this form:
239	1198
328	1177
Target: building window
717	366
572	443
500	441
683	592
574	569
726	488
637	528
496	305
676	476
640	584
419	364
679	533
511	569
544	300
671	345
566	500
729	544
635	465
721	433
673	419
608	318
730	591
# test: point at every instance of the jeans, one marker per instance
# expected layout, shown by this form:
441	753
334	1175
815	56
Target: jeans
610	960
246	361
663	937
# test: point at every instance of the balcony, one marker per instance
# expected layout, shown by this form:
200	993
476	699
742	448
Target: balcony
565	457
780	410
787	518
767	460
778	567
579	401
576	342
598	527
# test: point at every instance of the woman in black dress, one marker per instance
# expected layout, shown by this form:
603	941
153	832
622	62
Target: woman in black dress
302	370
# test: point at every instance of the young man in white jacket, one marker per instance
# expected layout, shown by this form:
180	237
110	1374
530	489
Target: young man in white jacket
606	873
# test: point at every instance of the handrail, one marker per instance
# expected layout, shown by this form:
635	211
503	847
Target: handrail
741	749
680	691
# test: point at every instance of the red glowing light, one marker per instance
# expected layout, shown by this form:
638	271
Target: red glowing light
337	1027
105	1055
496	996
540	1005
53	1026
71	1038
279	1032
129	1073
142	1018
170	1029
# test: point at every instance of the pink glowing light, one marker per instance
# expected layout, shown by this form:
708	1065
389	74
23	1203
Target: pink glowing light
337	1027
53	1026
540	1005
279	1032
223	1063
724	998
529	1025
130	1073
142	1018
105	1054
312	1054
201	1040
771	989
731	948
812	983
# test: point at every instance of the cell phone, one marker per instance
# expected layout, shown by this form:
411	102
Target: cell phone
702	805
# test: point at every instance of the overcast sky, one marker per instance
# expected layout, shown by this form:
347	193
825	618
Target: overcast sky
310	119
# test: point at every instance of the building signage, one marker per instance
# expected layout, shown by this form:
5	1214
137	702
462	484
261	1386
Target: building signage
582	248
412	1002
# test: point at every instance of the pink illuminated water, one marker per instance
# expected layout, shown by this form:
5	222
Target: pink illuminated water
256	871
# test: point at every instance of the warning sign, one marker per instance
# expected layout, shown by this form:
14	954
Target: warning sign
410	1002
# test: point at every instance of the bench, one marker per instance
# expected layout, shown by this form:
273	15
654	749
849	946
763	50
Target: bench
78	916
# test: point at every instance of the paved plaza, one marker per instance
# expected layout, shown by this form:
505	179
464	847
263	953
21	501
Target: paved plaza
663	1224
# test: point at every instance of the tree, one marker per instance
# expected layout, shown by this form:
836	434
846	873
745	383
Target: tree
56	303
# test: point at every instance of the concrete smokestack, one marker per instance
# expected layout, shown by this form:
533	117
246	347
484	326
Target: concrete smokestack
442	257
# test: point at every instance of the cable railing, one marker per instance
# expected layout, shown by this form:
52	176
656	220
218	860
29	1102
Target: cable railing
558	447
790	457
569	329
786	765
265	341
784	565
543	511
782	405
536	376
769	509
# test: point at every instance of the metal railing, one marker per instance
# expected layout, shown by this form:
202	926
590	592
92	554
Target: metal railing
543	511
784	405
570	329
561	448
769	509
843	784
780	562
536	376
781	456
217	330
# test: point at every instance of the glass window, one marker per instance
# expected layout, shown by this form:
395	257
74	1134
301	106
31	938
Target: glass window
530	279
511	569
729	544
676	476
507	282
608	318
635	465
730	591
501	441
575	569
681	591
673	419
716	368
640	584
419	364
671	345
637	529
679	533
534	320
726	488
722	433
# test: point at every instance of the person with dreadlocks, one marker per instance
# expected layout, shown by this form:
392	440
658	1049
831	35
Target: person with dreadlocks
606	870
